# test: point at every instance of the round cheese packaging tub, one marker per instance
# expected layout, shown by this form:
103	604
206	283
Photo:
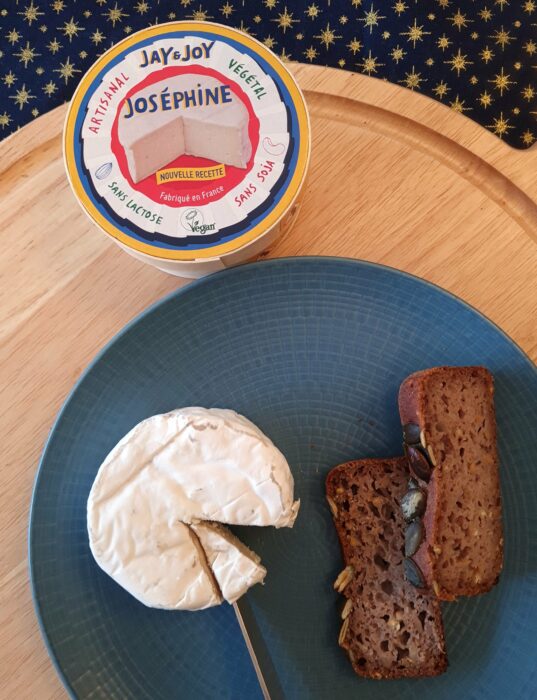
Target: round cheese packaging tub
188	144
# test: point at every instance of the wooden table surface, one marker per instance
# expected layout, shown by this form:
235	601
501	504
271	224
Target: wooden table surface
395	178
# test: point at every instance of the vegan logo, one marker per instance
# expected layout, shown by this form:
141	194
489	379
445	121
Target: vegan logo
192	221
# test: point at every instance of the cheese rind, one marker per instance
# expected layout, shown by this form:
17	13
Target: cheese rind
178	469
235	567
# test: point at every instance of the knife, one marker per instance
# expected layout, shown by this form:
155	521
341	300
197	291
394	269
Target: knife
264	668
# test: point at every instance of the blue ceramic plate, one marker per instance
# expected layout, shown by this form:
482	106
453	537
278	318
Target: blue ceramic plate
313	351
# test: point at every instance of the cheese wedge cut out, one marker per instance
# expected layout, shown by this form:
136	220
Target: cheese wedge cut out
235	567
157	496
218	132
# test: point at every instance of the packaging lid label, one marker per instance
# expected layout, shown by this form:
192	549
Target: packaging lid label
187	140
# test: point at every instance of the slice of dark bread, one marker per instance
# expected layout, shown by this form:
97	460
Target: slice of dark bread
449	421
390	628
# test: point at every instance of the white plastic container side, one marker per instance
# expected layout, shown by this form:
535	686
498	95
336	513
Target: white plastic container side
188	144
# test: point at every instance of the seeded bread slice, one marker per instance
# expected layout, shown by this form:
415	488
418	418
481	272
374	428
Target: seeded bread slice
449	413
390	628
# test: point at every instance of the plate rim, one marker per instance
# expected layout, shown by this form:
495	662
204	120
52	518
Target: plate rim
194	284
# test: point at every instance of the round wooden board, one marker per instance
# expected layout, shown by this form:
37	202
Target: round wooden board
395	178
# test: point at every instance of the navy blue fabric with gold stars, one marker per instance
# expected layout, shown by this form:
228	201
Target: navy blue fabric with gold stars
479	58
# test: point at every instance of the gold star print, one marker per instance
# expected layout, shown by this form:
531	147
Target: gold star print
97	37
35	112
50	88
414	33
397	54
58	6
312	11
528	93
341	62
172	15
443	42
502	82
327	36
441	89
527	137
458	105
54	46
4	120
299	36
227	10
474	80
474	35
516	110
412	80
22	97
284	56
500	126
285	20
517	23
354	46
83	54
201	15
400	7
485	99
371	18
485	14
311	53
386	35
459	62
487	54
443	3
13	36
529	7
530	47
70	29
257	19
115	14
67	70
127	30
270	4
370	64
30	13
87	13
355	3
431	16
459	20
517	65
101	2
184	3
40	70
429	62
27	54
501	37
43	28
242	27
269	42
501	3
343	19
141	7
9	78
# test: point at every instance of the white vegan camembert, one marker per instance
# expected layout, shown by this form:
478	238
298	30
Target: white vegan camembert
188	143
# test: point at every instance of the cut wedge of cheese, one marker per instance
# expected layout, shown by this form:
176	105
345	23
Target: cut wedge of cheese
218	132
152	504
235	567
